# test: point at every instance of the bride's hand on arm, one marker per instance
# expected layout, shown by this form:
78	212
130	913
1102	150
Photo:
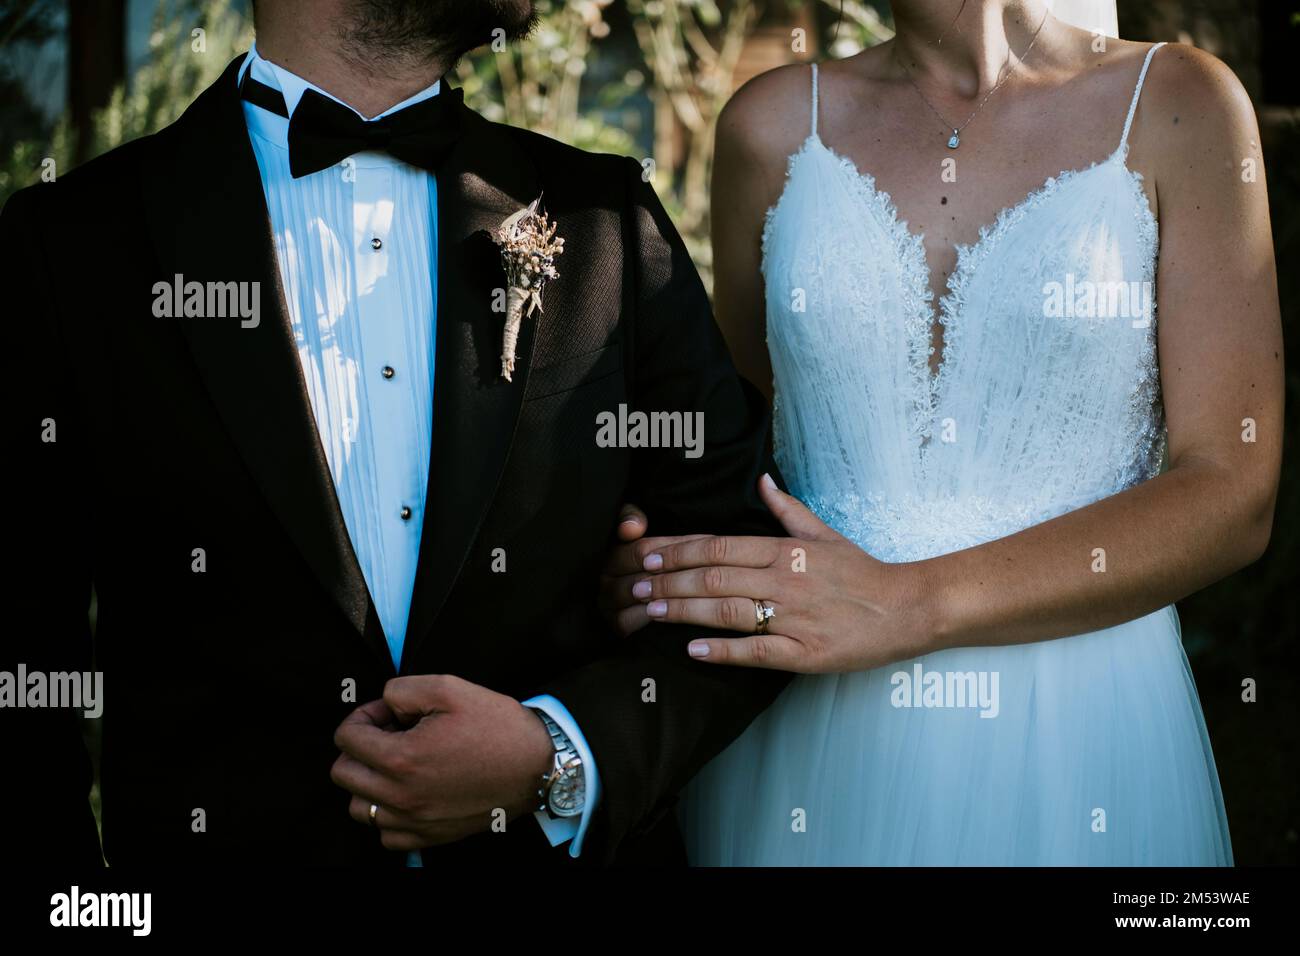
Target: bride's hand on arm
623	569
1130	554
1207	515
836	607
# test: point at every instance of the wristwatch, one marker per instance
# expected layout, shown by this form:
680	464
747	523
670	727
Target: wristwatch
563	792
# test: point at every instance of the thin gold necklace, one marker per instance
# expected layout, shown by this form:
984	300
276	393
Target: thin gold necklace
955	139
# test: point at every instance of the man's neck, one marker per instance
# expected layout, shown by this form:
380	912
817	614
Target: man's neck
369	84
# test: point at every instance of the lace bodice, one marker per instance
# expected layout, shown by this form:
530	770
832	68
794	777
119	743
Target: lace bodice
1047	396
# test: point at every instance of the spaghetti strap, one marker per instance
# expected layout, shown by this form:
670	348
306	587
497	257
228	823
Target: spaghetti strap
814	100
1132	107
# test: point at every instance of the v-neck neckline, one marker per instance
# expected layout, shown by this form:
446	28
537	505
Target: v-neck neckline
914	262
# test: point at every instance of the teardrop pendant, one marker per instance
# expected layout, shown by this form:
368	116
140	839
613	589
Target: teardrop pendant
954	140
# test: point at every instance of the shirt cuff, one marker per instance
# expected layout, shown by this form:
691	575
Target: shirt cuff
569	828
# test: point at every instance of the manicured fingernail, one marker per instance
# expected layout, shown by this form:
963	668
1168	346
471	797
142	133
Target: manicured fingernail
628	520
641	589
653	562
768	482
657	608
698	649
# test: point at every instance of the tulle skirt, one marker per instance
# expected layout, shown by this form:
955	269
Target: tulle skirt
1088	750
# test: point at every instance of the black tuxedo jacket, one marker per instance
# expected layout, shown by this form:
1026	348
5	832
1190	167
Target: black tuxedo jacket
223	688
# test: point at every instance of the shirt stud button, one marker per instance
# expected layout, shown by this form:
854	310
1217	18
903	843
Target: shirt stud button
405	513
387	371
376	243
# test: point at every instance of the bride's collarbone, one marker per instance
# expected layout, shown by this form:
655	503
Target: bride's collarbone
950	200
1012	147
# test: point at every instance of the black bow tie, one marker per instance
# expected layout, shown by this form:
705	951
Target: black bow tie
324	132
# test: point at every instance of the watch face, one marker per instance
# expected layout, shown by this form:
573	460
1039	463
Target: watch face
569	791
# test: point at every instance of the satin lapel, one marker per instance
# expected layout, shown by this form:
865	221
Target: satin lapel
209	222
475	411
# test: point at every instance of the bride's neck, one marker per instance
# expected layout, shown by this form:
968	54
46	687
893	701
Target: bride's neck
963	45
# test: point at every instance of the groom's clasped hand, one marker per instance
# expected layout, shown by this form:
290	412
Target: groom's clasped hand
436	757
833	607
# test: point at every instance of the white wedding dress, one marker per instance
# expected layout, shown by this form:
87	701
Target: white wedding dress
1097	751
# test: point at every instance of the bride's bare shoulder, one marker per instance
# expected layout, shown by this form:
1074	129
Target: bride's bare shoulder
1185	78
1194	114
769	117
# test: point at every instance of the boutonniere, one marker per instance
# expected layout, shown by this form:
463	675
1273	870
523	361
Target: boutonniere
529	248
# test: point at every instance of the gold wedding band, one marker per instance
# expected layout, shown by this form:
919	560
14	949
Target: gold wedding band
763	612
374	811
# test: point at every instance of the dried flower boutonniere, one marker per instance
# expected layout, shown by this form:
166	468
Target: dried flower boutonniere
529	247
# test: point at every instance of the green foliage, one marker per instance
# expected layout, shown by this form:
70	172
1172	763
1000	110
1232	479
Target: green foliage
181	63
538	84
186	54
21	163
858	26
28	21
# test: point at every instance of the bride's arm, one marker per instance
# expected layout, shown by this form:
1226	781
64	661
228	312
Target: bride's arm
1208	515
761	125
1220	346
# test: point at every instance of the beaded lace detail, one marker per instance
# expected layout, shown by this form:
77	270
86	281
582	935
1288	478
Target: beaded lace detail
1047	396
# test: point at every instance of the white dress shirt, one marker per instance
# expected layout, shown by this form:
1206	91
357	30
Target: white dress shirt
357	250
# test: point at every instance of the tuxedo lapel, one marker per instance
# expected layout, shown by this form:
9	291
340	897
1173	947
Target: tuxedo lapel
208	217
483	181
